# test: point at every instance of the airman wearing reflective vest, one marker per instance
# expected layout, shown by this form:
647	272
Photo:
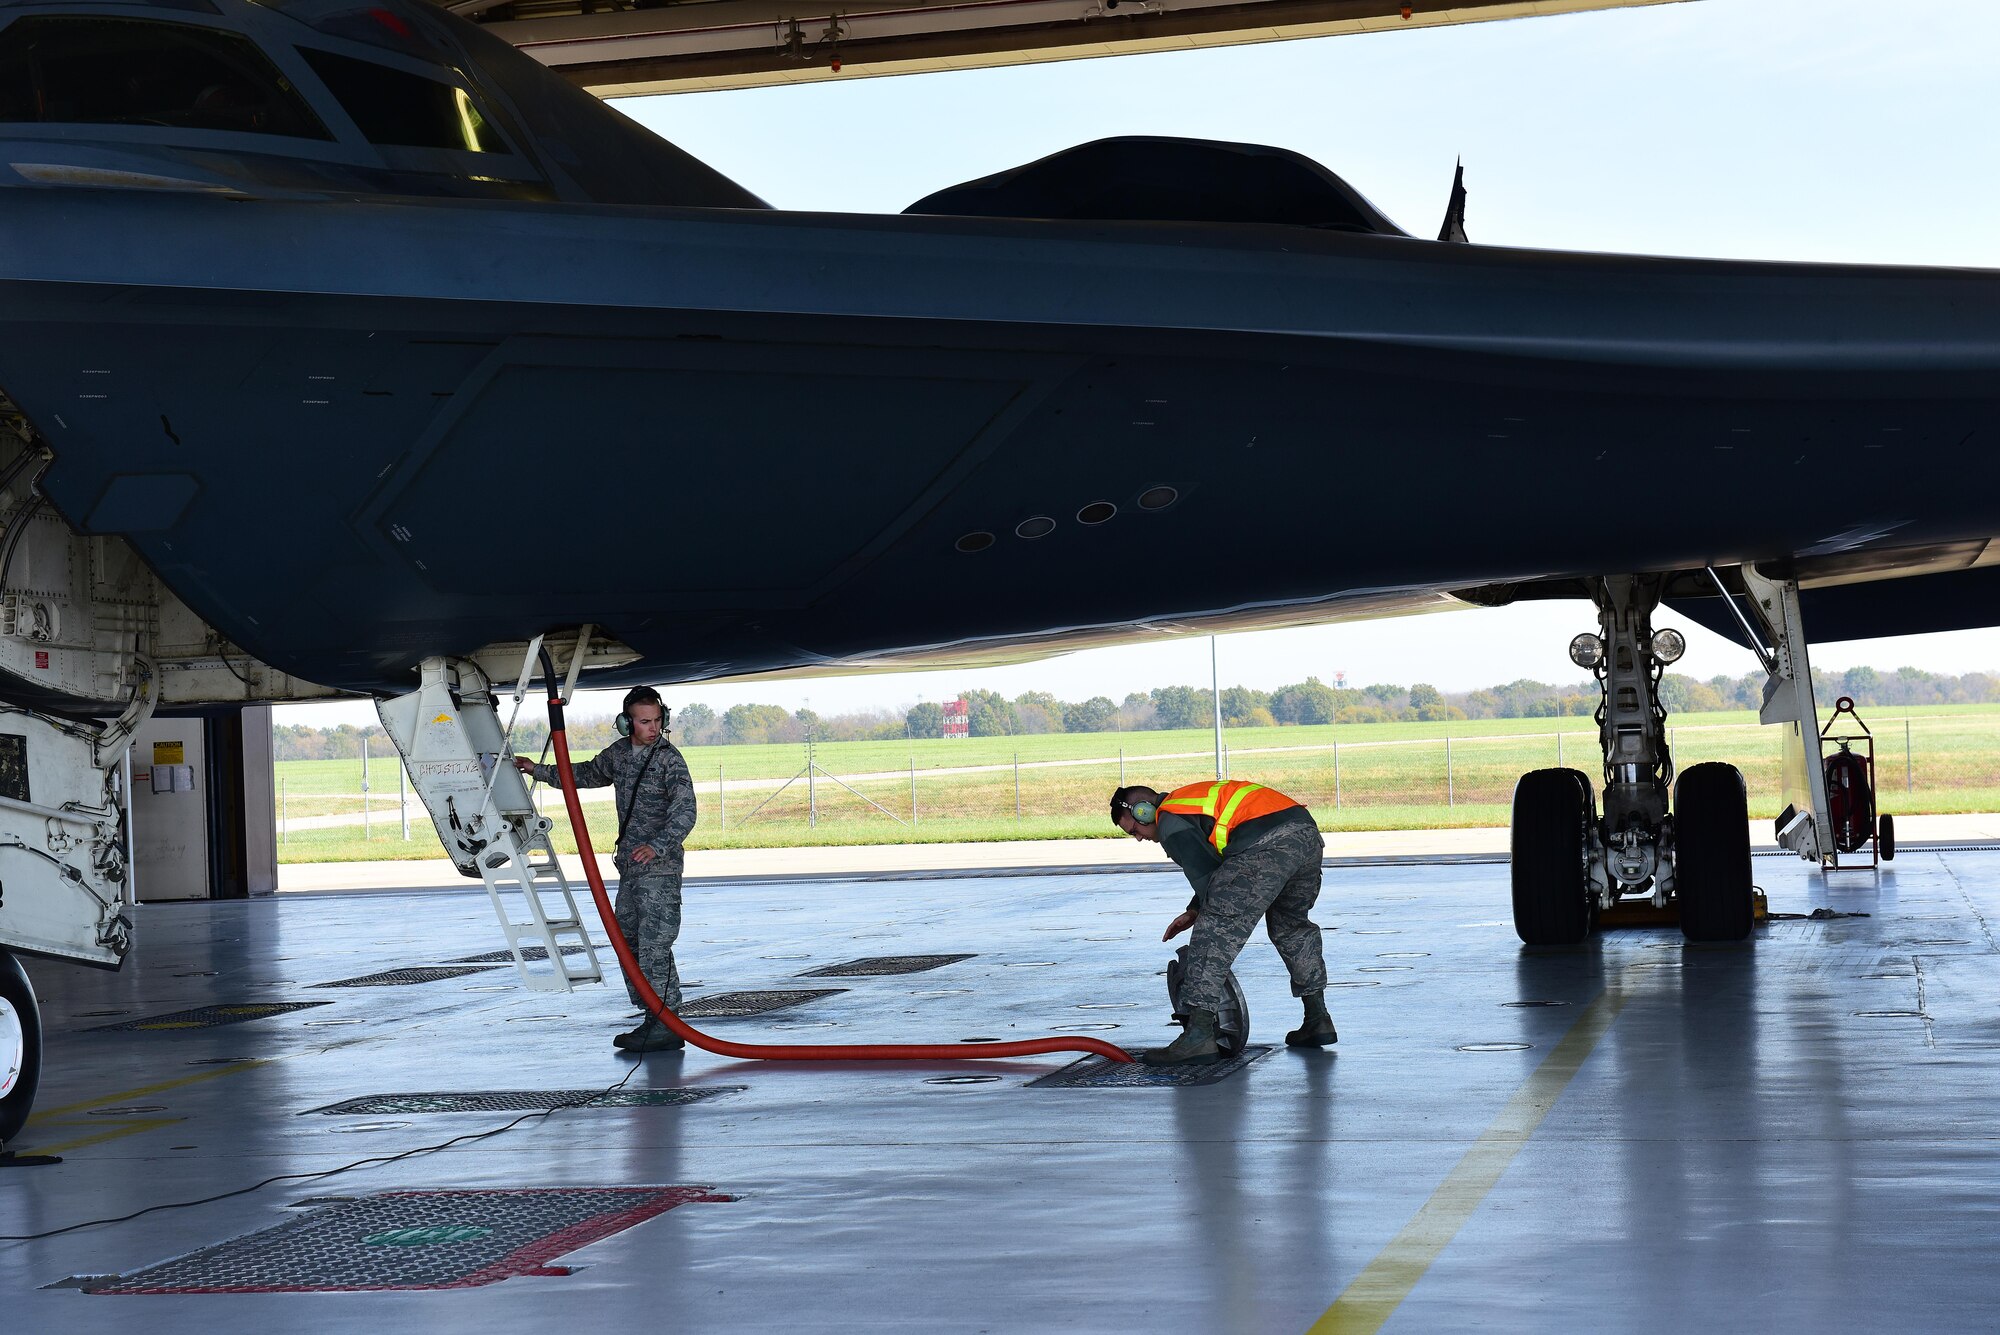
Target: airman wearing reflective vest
1250	852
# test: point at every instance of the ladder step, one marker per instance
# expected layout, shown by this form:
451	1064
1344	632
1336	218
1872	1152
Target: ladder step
532	933
530	879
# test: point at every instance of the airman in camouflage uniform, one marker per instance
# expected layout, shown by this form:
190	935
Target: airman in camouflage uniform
1269	870
656	811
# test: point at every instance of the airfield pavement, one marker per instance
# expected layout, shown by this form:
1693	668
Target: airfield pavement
1634	1135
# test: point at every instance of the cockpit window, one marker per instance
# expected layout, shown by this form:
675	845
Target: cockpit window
116	71
407	110
371	23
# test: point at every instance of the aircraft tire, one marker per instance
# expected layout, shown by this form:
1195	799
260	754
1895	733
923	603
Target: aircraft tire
1712	853
20	1046
1553	811
1885	838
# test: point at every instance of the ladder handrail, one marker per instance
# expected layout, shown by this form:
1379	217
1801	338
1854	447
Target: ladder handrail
507	735
576	658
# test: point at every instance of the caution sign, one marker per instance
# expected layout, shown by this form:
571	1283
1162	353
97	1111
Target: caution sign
169	753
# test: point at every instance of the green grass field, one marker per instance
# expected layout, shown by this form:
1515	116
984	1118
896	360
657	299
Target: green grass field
1387	776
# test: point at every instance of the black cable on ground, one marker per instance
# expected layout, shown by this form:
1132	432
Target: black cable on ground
330	1172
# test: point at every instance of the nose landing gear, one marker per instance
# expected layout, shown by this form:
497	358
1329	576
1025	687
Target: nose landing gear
1570	863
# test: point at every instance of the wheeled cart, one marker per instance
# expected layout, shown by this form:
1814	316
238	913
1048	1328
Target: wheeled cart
1850	793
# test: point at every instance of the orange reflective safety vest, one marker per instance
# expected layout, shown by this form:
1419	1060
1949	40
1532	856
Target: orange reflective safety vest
1229	804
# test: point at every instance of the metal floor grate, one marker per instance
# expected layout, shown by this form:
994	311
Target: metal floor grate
884	964
723	1005
209	1017
507	956
409	1240
427	973
525	1100
1100	1073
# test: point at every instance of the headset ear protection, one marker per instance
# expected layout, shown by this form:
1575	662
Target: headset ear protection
624	723
1145	813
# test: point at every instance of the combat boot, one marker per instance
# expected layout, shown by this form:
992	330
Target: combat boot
650	1036
1317	1031
1196	1047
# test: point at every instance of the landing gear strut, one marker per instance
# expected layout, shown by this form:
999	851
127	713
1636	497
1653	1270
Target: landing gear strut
1569	862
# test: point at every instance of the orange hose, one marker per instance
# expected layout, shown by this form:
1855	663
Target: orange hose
816	1052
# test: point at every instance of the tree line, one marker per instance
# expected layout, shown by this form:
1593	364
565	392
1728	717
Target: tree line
991	714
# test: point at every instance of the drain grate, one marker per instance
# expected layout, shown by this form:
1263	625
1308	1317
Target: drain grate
884	964
524	1100
1100	1073
428	973
210	1017
409	1240
507	956
723	1005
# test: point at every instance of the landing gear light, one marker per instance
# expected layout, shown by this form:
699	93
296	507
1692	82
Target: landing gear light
1586	651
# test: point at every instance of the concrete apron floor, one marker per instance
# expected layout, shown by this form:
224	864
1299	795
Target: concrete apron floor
1795	1130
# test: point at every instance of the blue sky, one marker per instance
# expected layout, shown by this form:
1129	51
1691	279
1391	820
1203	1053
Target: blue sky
1779	129
1834	130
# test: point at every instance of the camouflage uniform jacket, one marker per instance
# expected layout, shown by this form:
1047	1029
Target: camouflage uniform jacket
661	812
1185	839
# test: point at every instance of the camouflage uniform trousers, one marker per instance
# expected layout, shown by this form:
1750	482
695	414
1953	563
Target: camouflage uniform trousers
1277	880
649	913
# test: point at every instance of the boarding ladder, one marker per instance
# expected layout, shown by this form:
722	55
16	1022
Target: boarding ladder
461	763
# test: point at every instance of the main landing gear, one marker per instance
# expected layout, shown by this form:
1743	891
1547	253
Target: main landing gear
1570	862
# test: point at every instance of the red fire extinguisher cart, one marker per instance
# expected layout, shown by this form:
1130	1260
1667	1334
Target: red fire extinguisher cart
1850	792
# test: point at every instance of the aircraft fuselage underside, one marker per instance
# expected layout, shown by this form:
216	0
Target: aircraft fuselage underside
1356	417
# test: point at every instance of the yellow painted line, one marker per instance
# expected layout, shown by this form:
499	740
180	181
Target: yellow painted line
121	1130
1378	1290
142	1091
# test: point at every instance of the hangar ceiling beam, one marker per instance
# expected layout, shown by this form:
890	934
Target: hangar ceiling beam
714	44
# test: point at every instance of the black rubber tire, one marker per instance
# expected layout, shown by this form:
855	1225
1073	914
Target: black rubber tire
19	996
1712	853
1553	811
1885	838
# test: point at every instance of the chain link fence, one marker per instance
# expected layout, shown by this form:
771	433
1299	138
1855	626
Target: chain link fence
1942	762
